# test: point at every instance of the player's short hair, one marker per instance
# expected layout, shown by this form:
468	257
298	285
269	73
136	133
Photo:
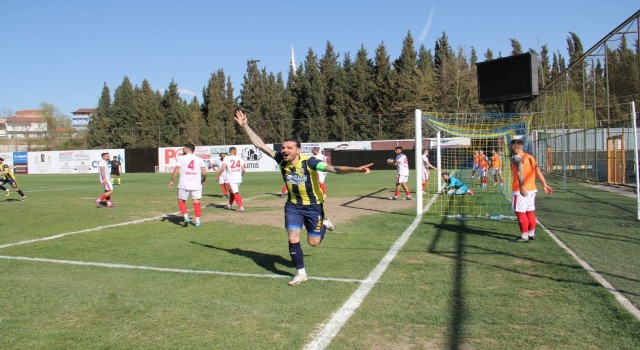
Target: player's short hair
316	148
190	146
115	157
1	159
517	142
400	148
231	149
102	154
293	140
445	173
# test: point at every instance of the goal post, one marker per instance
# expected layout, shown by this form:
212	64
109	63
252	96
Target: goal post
474	149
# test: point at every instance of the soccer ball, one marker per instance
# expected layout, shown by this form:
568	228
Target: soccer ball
390	161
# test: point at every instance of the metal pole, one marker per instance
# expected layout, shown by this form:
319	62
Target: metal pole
439	158
635	153
418	159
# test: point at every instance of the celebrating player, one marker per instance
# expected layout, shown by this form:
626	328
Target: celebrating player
525	171
305	204
7	176
193	174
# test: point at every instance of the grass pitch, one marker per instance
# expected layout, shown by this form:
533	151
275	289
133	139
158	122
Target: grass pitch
133	277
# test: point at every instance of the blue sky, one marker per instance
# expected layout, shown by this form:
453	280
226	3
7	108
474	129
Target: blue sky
62	52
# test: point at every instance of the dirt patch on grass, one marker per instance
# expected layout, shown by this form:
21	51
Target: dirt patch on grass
269	211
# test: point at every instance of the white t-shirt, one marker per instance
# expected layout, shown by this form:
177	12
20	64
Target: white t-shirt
216	164
102	170
233	169
403	164
425	162
190	172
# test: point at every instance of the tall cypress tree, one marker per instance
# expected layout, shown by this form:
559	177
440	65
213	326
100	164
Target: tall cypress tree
124	115
214	110
310	121
175	112
359	115
150	119
333	77
100	122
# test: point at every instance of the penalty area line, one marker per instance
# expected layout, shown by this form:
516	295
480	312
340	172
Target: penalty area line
340	317
139	221
165	269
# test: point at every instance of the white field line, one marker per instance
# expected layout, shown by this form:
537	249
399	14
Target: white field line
100	228
340	317
164	269
598	277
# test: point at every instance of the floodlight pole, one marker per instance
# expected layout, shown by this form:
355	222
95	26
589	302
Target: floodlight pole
635	153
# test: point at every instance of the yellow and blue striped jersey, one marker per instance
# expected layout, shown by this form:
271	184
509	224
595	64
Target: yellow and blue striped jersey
9	174
301	179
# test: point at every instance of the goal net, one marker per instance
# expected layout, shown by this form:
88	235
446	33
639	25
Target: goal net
473	148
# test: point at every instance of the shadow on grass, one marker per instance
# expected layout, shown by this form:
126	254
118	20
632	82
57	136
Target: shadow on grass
460	257
372	195
457	293
266	261
174	219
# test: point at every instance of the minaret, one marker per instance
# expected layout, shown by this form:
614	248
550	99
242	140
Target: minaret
293	62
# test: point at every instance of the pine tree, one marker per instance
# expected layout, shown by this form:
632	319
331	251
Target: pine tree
214	110
516	47
310	112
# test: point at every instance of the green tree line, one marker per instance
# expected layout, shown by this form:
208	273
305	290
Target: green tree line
331	97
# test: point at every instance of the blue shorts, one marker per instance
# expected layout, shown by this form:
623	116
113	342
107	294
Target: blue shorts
310	215
11	182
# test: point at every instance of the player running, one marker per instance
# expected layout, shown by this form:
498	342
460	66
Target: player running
7	176
304	208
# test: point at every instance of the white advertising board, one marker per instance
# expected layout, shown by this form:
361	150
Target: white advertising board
69	162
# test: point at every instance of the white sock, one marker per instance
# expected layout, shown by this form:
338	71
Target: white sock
197	219
186	216
525	235
302	271
532	233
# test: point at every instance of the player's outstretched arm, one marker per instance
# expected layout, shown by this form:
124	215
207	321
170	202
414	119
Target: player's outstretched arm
340	169
256	140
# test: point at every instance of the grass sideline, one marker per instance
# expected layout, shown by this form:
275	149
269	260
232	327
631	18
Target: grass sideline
453	285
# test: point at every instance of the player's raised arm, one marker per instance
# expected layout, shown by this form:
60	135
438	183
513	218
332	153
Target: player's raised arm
256	140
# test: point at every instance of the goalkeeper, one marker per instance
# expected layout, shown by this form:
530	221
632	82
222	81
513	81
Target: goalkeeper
454	186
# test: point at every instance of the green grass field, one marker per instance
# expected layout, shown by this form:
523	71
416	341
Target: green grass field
132	277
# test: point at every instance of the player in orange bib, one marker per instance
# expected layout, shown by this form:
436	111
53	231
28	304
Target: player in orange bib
483	166
496	168
525	171
476	160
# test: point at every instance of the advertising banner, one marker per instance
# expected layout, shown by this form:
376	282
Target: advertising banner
20	163
69	162
255	160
